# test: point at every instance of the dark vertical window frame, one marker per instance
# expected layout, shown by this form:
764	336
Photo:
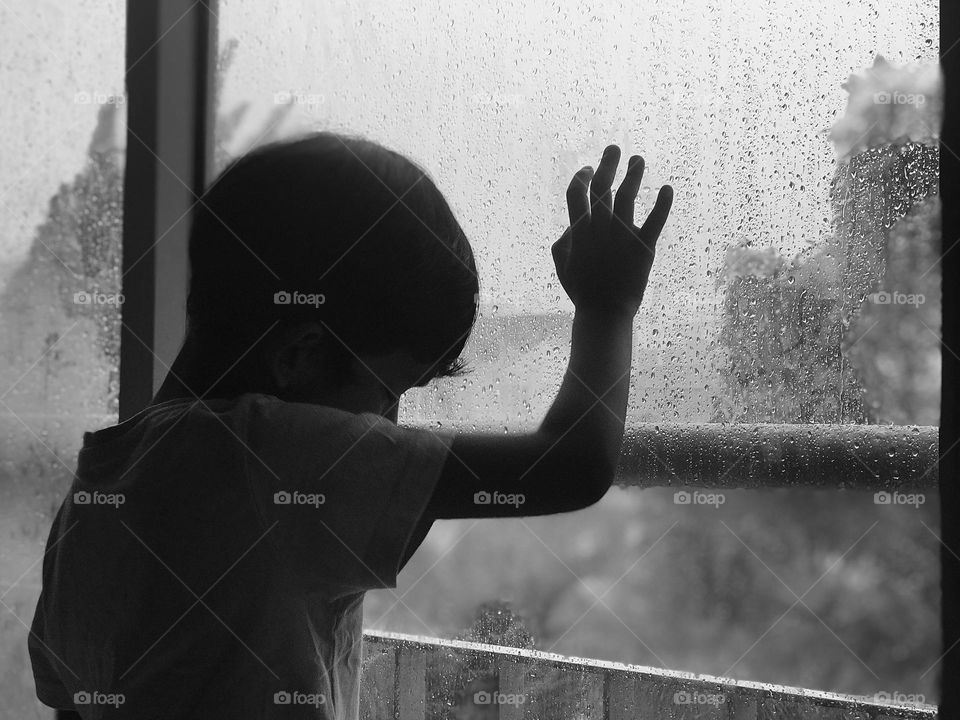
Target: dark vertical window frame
170	65
949	410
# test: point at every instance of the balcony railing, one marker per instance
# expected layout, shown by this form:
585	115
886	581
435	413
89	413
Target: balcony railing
413	678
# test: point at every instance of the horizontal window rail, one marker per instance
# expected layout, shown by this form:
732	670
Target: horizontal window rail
413	678
711	455
856	457
891	458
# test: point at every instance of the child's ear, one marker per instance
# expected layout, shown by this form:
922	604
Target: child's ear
359	372
296	356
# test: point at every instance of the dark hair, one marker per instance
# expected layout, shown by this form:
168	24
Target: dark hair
341	217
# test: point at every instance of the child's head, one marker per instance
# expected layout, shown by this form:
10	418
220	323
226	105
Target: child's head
349	252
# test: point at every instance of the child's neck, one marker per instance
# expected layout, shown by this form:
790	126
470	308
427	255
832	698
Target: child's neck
193	375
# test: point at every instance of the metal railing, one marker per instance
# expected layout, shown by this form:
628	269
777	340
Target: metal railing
715	455
855	457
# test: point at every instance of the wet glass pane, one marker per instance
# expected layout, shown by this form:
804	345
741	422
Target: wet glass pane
796	282
798	270
60	227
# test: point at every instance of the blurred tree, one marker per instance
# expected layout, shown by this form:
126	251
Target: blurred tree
808	338
782	330
887	219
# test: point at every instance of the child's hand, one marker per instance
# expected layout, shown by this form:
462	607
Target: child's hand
571	460
603	260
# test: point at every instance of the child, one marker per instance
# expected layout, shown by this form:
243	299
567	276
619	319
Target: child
212	556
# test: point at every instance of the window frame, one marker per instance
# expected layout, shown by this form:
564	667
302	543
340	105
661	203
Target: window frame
949	462
171	66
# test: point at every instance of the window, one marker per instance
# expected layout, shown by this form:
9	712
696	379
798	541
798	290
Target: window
60	284
796	287
788	336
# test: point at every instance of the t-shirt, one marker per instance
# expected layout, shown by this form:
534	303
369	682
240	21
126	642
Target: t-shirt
211	558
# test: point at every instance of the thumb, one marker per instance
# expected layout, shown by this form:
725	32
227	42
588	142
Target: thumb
561	255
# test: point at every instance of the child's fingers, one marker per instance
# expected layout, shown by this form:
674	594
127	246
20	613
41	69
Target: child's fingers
657	217
627	192
578	207
601	205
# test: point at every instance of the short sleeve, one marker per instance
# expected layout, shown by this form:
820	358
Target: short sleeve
340	493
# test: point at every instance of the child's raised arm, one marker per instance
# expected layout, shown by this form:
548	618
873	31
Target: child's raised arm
603	262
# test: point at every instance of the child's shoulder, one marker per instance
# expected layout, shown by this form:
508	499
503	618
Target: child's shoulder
268	416
272	407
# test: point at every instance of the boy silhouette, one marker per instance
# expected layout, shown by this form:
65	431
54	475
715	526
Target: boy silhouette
211	557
